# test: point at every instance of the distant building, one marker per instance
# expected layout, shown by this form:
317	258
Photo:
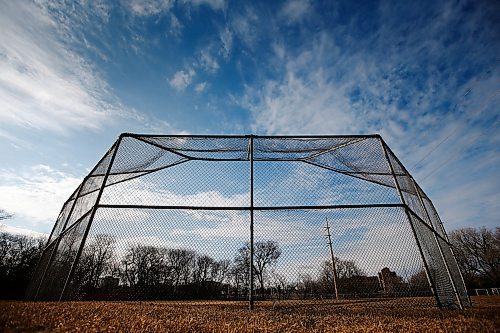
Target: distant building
109	282
390	281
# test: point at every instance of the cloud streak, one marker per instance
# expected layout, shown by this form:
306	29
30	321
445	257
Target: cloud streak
398	73
182	79
44	85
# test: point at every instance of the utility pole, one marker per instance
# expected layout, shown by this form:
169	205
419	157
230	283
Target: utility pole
329	236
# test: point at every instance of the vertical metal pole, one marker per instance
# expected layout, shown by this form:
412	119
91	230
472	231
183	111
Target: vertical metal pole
333	259
427	271
438	245
91	219
250	295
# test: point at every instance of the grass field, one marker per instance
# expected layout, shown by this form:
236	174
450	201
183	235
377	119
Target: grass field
17	316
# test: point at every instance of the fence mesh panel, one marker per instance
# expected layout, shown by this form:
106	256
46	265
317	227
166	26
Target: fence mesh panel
38	274
311	220
62	260
456	277
374	253
437	267
61	220
136	254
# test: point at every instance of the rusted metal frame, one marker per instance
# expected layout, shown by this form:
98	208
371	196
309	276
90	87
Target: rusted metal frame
419	246
91	218
439	246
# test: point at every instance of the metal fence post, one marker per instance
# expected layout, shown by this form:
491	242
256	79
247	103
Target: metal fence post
427	271
91	219
251	293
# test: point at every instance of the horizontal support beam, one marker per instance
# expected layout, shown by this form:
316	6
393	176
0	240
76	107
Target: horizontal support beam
262	208
254	136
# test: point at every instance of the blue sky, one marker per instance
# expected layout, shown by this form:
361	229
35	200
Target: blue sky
425	75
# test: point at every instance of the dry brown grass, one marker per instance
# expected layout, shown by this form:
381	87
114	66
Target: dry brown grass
232	317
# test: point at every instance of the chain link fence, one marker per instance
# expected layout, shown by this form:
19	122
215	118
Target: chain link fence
272	221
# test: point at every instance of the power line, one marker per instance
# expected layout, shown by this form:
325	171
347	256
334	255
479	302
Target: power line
459	125
460	151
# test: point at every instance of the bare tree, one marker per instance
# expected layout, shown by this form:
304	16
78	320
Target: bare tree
220	270
345	270
266	253
142	265
240	271
280	283
96	260
478	251
180	262
202	269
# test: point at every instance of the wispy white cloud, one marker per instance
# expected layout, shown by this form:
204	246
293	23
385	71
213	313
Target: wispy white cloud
36	194
175	26
296	10
45	85
226	38
394	83
245	25
182	79
279	50
148	7
200	87
303	99
208	61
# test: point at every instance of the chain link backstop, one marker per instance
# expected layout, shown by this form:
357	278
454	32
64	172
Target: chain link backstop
260	219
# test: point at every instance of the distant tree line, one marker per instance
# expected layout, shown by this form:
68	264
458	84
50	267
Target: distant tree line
108	270
478	254
19	256
152	272
147	271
